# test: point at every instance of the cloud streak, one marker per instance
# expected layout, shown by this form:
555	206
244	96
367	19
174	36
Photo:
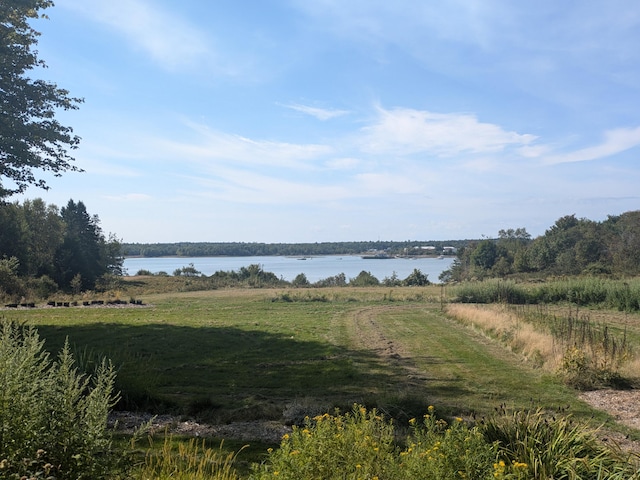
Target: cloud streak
615	141
319	113
171	41
404	131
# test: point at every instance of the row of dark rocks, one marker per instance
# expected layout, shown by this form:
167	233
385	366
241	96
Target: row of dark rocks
85	303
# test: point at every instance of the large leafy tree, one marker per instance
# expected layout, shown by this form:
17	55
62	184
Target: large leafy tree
31	139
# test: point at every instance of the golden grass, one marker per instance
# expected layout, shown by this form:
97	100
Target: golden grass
521	337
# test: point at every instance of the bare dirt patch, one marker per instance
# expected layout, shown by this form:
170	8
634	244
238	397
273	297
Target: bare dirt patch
265	431
624	406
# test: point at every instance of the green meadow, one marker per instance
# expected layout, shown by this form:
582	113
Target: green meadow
240	355
394	355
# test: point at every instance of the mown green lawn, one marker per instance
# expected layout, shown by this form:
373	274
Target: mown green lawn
252	354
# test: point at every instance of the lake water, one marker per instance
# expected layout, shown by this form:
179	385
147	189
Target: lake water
315	268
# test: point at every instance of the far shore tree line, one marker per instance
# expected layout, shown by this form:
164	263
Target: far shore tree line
247	249
45	250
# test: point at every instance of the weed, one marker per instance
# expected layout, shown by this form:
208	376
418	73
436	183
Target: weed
190	461
53	419
552	446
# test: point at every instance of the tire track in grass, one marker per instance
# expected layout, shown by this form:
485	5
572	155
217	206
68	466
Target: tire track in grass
429	356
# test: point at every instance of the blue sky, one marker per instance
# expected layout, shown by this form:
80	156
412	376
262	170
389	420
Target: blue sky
338	120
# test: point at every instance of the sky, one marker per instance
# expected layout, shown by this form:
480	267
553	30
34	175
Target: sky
345	120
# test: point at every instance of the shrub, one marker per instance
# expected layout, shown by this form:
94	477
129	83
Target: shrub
525	445
43	287
52	419
300	281
492	291
364	279
439	450
551	447
11	285
416	279
356	445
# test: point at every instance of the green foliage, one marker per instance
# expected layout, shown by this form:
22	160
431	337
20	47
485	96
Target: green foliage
362	445
66	246
364	279
571	246
339	280
10	283
492	291
52	418
188	271
30	136
416	279
190	461
484	255
358	444
300	281
551	447
623	295
437	449
241	249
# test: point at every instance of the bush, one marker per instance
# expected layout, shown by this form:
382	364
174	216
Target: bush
552	447
43	287
11	285
492	291
416	279
356	445
364	279
52	419
439	450
362	445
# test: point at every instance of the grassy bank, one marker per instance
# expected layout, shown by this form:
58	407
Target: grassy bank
237	355
287	354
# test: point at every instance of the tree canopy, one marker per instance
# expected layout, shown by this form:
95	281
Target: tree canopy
44	248
571	246
31	139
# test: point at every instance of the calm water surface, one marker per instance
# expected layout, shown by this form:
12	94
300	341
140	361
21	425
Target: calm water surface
315	268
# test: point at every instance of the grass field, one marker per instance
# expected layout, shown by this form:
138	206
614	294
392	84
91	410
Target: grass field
240	355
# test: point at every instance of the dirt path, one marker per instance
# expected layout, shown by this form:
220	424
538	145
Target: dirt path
366	333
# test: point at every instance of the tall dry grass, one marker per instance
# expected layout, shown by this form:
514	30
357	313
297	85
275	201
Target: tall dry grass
497	321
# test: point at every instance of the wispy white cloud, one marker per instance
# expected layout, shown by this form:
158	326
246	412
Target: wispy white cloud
319	113
407	131
213	145
170	40
615	141
250	187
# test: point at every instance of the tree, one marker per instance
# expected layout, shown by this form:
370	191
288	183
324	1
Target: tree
45	233
417	279
364	279
485	254
82	249
30	136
